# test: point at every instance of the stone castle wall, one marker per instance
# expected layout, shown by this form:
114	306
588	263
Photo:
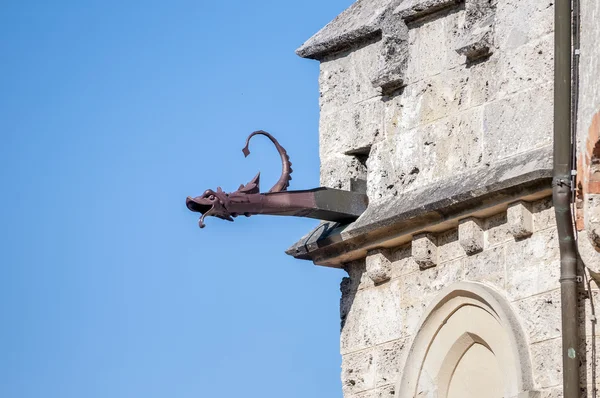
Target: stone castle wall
415	94
451	115
381	321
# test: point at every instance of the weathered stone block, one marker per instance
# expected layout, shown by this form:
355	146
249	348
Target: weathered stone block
365	63
393	57
589	366
392	167
540	316
478	41
487	266
543	214
419	10
532	264
345	77
420	288
518	22
432	45
425	251
374	317
546	361
520	219
526	67
592	218
335	83
412	313
470	235
389	361
497	230
587	251
529	394
357	271
589	94
450	145
358	371
552	392
403	110
402	261
449	247
482	83
517	124
427	100
352	129
381	392
338	171
587	315
379	266
548	275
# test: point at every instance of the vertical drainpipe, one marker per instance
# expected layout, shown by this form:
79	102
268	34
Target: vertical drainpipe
561	196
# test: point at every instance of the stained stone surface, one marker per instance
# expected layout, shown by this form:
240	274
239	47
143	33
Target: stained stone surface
379	266
520	219
471	235
360	20
425	251
445	109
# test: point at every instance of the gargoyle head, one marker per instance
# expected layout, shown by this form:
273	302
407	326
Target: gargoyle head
227	206
210	203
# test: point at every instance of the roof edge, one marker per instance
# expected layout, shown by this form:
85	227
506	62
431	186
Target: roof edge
361	21
433	208
315	49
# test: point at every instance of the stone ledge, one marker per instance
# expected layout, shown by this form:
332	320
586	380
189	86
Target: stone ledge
359	22
478	192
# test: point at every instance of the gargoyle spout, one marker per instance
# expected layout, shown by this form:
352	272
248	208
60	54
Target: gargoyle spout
210	203
227	206
320	203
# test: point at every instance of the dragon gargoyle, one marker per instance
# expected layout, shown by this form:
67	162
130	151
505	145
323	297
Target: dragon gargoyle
321	203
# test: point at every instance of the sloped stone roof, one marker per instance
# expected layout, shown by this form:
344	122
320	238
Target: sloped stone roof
414	212
360	21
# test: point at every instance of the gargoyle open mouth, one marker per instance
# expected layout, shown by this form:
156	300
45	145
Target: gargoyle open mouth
200	205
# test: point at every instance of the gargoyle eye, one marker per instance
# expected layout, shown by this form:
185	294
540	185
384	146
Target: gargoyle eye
211	197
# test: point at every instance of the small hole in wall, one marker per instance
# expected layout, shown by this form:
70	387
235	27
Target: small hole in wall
392	89
361	154
358	182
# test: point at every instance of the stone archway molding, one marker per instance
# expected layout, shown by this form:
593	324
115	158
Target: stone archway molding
462	315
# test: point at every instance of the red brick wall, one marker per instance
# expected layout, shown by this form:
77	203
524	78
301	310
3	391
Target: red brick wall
588	168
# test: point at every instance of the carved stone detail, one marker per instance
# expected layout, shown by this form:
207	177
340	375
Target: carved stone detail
470	235
520	219
394	54
379	266
476	41
478	37
425	250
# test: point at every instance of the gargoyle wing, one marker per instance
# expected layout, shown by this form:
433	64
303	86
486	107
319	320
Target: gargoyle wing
251	187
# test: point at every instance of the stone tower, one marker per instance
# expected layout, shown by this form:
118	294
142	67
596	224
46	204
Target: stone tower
441	111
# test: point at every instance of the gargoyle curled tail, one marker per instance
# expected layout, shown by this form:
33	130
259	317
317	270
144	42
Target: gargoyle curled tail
286	166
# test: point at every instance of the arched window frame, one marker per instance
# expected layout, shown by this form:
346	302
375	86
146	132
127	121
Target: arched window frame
506	340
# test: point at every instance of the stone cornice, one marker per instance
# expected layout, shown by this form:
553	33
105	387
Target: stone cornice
389	21
476	193
361	21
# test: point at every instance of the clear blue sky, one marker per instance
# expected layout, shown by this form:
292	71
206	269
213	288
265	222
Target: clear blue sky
111	113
